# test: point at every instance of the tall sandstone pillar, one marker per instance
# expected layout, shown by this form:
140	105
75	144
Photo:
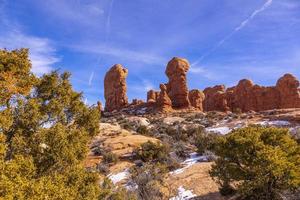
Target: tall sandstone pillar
115	88
177	88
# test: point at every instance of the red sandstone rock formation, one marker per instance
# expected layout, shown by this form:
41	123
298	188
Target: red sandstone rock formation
215	99
177	86
115	88
267	98
136	102
152	96
288	87
244	96
196	98
249	97
164	102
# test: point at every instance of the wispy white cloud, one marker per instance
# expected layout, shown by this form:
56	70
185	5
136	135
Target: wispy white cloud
237	29
42	53
120	53
196	70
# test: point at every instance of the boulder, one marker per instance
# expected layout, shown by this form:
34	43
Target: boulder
115	88
196	98
177	88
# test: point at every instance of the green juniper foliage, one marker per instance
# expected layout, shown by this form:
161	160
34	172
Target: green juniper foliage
44	131
260	163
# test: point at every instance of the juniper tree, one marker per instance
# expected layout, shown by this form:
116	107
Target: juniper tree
44	131
260	163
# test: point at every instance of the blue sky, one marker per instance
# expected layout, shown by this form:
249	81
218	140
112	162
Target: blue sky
224	40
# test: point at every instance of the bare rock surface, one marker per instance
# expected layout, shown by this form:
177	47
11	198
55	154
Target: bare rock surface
177	88
115	88
164	102
196	98
215	98
288	87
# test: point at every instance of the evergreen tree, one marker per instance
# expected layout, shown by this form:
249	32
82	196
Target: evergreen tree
260	163
44	131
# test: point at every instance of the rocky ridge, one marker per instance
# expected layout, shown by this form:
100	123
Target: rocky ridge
175	95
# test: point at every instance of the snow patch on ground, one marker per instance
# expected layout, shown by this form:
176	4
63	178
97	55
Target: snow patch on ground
115	178
274	123
221	130
194	158
183	194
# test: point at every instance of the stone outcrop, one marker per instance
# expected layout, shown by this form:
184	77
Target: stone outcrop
136	102
152	96
196	98
244	95
288	87
247	96
115	88
177	86
164	103
215	98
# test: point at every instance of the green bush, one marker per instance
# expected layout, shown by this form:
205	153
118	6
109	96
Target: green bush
260	163
143	130
110	158
205	141
151	151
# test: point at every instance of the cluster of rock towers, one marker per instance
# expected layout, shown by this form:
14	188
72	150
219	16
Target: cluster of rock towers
246	96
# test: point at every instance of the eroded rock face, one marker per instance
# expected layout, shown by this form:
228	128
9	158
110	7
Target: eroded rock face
164	102
196	98
288	87
249	97
215	99
115	88
177	86
152	96
244	96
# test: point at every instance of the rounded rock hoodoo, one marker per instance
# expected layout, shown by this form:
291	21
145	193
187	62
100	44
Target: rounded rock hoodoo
177	88
115	88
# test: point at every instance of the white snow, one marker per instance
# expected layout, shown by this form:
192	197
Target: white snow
115	178
274	123
194	158
183	194
141	111
222	130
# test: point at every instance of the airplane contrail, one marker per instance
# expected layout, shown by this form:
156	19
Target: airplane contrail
107	28
91	78
107	31
237	29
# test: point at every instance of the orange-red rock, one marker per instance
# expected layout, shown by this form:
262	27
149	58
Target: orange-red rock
177	86
288	87
152	96
196	98
164	102
244	96
115	88
137	102
215	99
